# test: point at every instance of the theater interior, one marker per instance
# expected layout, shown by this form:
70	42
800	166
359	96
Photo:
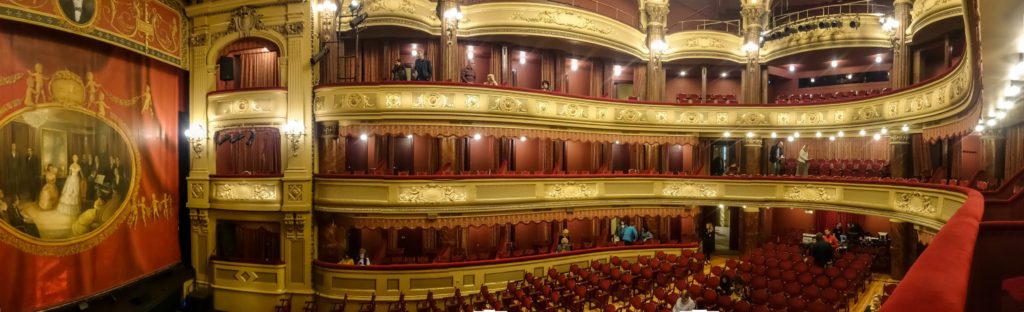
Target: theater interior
511	155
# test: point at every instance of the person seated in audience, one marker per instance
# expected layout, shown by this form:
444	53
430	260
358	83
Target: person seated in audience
684	303
831	239
545	86
647	236
398	71
490	80
363	258
629	234
564	244
821	251
725	286
345	259
468	75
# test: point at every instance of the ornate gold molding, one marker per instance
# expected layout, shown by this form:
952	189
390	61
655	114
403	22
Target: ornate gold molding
689	189
245	191
571	190
294	226
432	193
927	12
915	202
199	220
810	193
564	17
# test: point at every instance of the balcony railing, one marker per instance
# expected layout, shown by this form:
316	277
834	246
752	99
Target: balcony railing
595	6
852	8
730	26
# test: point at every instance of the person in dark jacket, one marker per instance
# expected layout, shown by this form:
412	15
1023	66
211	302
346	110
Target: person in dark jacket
708	241
821	250
398	71
424	70
775	158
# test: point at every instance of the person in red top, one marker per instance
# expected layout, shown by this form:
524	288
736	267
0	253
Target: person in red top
831	239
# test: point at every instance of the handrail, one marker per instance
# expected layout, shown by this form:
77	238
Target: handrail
858	7
729	26
595	6
462	264
939	278
1005	190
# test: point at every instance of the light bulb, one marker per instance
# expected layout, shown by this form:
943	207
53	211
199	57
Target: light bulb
408	136
841	134
727	134
834	63
885	130
876	137
905	128
1011	91
831	138
682	73
774	135
522	138
862	132
796	134
1000	115
617	70
792	68
878	59
789	138
991	122
363	137
750	134
477	137
817	134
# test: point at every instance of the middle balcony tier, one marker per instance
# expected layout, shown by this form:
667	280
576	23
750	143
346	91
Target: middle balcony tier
479	105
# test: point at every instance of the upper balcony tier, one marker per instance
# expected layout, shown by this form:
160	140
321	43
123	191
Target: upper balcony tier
452	103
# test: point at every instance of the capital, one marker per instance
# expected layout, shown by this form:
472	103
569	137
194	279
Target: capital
752	141
899	139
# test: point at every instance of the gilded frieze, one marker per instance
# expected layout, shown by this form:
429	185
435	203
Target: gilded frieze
690	190
294	192
393	100
573	110
244	191
630	115
199	219
432	193
565	18
571	190
810	193
507	104
915	202
434	101
753	118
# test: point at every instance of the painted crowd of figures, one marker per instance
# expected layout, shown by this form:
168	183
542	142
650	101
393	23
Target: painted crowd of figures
96	97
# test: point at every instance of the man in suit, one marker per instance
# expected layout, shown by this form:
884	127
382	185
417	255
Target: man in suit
78	11
424	70
12	172
775	158
33	174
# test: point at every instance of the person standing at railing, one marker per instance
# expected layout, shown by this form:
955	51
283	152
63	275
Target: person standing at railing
801	162
424	70
775	158
468	75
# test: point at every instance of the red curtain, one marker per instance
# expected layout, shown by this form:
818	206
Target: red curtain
258	242
258	70
841	148
1014	150
921	153
252	151
828	219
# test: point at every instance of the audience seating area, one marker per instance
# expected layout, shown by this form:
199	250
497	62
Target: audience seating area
861	168
828	97
448	256
776	277
710	99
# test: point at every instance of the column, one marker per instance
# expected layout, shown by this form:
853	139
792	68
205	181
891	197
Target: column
655	13
449	14
332	150
900	157
900	75
446	154
752	156
750	229
754	16
903	246
993	151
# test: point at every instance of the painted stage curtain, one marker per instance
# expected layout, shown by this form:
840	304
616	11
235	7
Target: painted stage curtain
824	219
126	112
251	151
1014	150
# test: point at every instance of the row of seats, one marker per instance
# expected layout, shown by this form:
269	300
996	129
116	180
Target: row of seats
828	97
446	256
710	98
861	168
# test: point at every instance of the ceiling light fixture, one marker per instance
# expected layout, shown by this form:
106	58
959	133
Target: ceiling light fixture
750	134
792	68
876	137
831	138
725	74
817	134
991	122
789	138
522	57
617	70
878	59
863	132
727	134
682	73
841	134
775	135
905	128
477	137
574	64
834	63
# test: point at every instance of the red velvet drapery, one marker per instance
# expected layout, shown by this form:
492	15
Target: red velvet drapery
255	151
827	219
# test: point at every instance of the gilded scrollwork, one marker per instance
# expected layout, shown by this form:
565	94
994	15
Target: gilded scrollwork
565	18
694	118
915	202
246	191
690	190
815	118
631	115
432	193
355	101
198	191
704	43
753	118
810	193
571	190
433	100
573	110
472	102
244	20
866	113
393	100
199	219
295	226
294	192
507	104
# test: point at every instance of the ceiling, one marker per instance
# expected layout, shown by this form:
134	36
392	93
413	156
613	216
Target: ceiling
1002	33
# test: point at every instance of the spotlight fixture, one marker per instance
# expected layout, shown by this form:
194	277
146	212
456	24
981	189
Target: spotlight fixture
836	23
792	68
682	73
822	24
725	75
849	76
812	79
855	24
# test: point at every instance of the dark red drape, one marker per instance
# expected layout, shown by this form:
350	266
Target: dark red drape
255	151
827	219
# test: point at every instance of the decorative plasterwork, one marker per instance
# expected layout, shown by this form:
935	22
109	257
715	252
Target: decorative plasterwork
926	12
507	104
392	100
704	43
198	190
199	220
573	111
432	193
631	115
753	118
810	193
690	190
566	18
245	276
355	101
571	190
294	192
294	226
244	20
915	202
433	100
245	191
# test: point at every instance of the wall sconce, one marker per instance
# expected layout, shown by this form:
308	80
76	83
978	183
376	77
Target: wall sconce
522	57
196	136
294	130
617	70
574	64
453	14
